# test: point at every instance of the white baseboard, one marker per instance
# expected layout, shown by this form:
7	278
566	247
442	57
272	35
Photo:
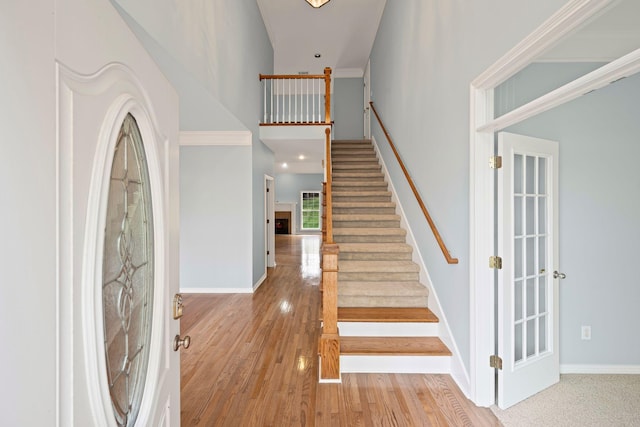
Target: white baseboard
260	281
600	369
216	290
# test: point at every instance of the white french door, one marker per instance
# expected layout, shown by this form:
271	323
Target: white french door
528	282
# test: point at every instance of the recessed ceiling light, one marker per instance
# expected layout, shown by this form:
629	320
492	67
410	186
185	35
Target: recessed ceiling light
284	165
301	157
317	55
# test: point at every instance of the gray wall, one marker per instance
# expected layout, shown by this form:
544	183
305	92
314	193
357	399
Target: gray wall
288	188
599	137
424	57
213	52
28	186
214	216
348	108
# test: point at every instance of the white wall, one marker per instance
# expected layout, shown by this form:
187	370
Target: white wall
28	214
215	218
424	58
599	211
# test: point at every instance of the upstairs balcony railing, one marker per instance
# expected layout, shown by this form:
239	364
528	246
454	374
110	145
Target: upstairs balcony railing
296	99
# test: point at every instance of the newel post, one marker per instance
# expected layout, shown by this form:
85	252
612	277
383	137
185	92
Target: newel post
327	96
329	345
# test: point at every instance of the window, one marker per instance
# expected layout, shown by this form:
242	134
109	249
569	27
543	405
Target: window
310	208
127	287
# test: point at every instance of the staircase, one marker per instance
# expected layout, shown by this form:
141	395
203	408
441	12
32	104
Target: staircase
383	319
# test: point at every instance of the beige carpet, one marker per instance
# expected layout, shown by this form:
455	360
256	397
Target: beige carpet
579	400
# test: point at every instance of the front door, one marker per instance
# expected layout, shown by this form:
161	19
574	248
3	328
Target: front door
118	222
527	285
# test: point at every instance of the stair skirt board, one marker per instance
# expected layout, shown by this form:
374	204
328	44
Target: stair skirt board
395	364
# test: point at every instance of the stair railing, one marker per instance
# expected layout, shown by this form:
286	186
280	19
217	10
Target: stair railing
329	345
296	99
432	225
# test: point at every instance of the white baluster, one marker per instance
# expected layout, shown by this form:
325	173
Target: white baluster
271	101
320	91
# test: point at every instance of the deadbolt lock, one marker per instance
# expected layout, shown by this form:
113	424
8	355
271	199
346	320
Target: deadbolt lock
177	306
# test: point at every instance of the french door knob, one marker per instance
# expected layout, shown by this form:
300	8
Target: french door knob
557	275
185	342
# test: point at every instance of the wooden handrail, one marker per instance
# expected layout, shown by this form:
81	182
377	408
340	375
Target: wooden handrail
434	229
290	76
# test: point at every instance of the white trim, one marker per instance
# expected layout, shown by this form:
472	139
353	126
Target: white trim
600	369
260	280
609	73
570	17
269	232
216	290
206	138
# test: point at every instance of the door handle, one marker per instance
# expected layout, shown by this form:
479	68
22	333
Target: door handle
177	342
557	275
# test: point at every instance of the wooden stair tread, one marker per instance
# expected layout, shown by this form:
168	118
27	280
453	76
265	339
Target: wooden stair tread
386	314
396	346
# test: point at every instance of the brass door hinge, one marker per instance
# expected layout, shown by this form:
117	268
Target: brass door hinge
495	362
495	262
495	162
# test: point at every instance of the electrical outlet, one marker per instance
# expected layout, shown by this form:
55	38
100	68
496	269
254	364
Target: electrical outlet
586	333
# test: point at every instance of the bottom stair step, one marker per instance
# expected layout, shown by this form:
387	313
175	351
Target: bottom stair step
393	346
405	355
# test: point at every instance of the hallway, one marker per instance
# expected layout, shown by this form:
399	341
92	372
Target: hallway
253	362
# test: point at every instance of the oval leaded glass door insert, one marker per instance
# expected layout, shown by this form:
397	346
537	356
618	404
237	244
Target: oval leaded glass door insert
127	287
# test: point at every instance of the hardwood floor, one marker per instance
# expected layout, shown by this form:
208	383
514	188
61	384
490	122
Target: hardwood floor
253	362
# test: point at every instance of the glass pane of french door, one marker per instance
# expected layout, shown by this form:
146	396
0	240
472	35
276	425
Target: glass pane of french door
530	273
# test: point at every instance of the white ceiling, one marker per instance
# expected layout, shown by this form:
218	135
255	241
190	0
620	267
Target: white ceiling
342	31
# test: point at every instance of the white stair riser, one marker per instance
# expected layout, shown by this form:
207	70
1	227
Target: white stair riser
395	364
388	329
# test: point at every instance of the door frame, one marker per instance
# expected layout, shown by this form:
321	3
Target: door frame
367	98
481	147
269	221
